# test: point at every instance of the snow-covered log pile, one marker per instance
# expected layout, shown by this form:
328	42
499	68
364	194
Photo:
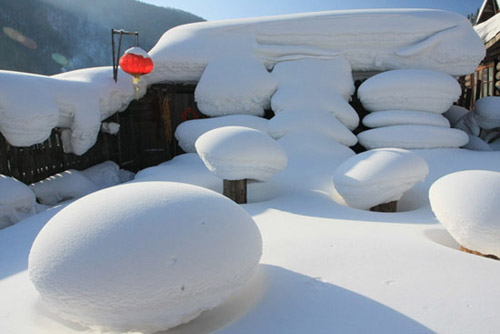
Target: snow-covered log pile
406	108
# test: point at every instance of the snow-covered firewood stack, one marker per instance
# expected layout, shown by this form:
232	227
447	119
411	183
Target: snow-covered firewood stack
406	110
312	96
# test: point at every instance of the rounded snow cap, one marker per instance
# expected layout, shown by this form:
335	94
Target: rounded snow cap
138	257
237	153
378	176
471	220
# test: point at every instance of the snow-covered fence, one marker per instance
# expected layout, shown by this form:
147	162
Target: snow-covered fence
145	138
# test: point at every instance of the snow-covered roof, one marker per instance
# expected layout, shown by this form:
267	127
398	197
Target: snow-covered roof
488	30
483	9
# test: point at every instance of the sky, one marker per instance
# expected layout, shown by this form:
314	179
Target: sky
232	9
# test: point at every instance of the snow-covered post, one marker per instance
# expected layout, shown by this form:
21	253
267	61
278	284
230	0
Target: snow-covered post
236	154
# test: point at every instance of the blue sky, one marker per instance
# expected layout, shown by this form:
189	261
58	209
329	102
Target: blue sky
229	9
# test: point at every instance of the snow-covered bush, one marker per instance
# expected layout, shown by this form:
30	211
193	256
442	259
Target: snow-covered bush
422	90
17	201
230	86
378	176
147	256
487	112
237	153
412	136
466	203
189	131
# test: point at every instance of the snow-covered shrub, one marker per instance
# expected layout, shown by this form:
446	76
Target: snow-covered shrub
188	132
378	176
103	175
455	113
63	186
466	203
237	153
487	112
143	256
17	201
412	136
230	86
423	90
316	122
404	117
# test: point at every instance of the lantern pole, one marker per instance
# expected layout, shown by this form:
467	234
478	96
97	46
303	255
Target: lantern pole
116	55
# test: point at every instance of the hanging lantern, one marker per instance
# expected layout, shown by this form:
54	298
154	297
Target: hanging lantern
136	62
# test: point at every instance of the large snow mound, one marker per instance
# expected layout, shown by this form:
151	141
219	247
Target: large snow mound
237	153
404	117
235	86
189	131
317	122
377	40
185	168
412	136
143	259
333	74
378	176
17	201
487	112
313	97
77	100
471	220
422	90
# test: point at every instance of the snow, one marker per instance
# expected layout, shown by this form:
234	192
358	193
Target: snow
77	100
489	29
313	97
184	261
17	201
468	123
332	74
404	117
234	86
412	136
237	153
371	40
185	168
378	176
409	89
137	51
477	144
471	220
487	112
322	122
455	113
189	131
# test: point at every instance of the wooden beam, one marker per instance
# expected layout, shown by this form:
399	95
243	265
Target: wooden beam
236	190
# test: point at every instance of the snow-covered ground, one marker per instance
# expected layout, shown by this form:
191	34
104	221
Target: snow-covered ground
325	267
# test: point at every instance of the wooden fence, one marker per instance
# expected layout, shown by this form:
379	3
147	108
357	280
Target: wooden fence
146	138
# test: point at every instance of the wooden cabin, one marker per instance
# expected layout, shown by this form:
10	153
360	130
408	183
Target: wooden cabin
485	81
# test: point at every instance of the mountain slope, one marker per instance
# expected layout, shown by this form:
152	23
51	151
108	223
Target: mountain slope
52	36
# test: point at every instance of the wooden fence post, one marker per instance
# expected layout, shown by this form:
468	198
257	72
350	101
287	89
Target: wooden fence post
236	190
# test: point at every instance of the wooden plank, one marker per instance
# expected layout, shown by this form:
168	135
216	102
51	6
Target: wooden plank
236	190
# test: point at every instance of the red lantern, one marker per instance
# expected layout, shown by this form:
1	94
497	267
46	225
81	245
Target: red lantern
136	62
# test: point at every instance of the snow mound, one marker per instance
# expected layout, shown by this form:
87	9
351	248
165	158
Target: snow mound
371	40
487	112
184	261
234	86
333	74
315	121
378	176
314	97
185	168
237	153
471	220
422	90
455	113
469	124
404	117
17	201
67	185
105	174
412	136
477	144
189	131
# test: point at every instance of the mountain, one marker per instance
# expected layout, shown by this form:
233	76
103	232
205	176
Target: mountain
53	36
